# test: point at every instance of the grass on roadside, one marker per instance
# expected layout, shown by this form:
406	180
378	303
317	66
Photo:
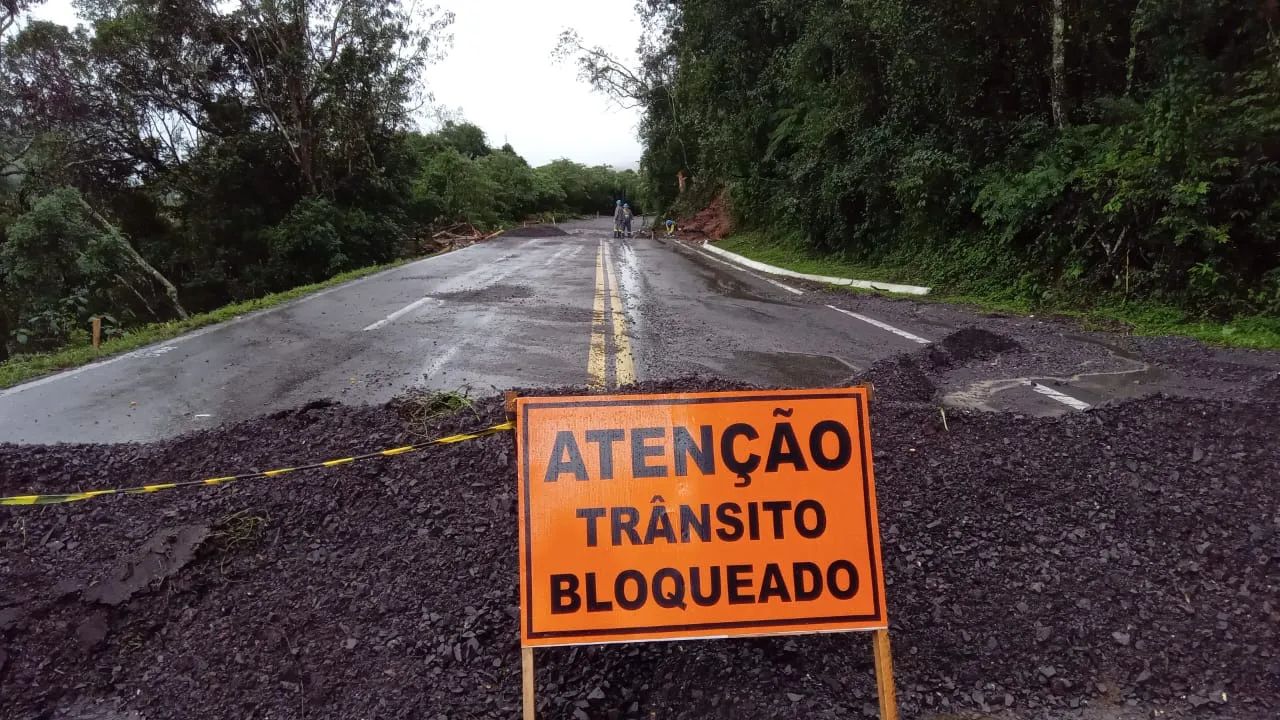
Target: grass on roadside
794	256
421	408
1139	318
25	367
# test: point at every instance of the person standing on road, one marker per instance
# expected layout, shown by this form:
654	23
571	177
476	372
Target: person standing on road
626	218
618	217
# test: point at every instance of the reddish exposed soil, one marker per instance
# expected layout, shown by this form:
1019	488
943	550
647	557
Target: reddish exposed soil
713	222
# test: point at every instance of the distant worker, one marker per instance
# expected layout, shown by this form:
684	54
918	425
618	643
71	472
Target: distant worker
619	218
671	226
626	218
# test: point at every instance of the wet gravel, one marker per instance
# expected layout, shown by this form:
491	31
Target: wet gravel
1119	562
1059	349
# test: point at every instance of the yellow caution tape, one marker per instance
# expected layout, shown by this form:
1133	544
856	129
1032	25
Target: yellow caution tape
214	481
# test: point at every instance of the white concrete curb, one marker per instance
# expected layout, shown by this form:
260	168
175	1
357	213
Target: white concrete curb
827	279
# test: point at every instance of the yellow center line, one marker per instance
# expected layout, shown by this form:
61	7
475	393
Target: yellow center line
624	364
596	354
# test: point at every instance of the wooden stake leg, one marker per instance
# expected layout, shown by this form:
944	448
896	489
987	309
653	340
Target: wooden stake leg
884	676
526	672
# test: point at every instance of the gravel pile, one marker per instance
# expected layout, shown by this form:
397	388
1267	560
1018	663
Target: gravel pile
1125	560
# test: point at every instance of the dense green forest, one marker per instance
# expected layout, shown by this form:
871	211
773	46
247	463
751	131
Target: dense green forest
174	155
1053	150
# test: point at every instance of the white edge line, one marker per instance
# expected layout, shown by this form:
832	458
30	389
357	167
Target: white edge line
397	314
1060	397
440	361
881	325
826	279
788	288
72	372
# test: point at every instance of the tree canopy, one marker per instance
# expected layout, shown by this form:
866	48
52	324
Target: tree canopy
1049	147
180	154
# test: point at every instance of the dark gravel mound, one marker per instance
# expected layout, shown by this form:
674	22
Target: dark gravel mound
534	231
972	343
907	377
1129	556
900	379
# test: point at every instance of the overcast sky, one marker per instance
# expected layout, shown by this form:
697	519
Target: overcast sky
501	76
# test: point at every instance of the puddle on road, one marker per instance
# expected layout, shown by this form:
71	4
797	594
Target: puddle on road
1093	388
727	286
785	369
1140	379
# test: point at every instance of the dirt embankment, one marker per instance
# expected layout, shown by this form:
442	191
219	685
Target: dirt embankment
1125	560
714	222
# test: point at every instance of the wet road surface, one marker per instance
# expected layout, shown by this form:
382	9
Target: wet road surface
581	309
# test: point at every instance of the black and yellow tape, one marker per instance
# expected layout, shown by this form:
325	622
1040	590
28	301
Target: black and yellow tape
216	481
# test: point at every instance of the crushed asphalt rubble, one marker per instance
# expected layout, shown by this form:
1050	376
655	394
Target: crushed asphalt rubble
1122	562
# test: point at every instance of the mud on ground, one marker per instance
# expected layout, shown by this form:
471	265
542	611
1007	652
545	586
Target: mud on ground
535	231
1058	352
1120	562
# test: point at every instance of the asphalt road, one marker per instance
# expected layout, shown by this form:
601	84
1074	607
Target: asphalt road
581	309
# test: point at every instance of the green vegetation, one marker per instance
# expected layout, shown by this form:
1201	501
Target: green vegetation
79	349
422	409
792	253
169	158
1143	318
1038	154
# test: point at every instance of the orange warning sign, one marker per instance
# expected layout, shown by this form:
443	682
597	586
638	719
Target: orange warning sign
656	517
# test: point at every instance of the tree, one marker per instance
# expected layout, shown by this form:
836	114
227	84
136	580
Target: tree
651	85
1058	69
58	268
1037	149
458	188
513	183
11	10
464	137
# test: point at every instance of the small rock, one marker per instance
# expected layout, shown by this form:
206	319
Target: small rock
9	618
92	631
1120	637
1047	671
350	643
793	697
1197	455
596	694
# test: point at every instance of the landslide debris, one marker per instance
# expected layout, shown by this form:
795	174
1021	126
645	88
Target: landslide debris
1126	559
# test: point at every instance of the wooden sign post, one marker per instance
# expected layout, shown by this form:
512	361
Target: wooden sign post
97	332
699	515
